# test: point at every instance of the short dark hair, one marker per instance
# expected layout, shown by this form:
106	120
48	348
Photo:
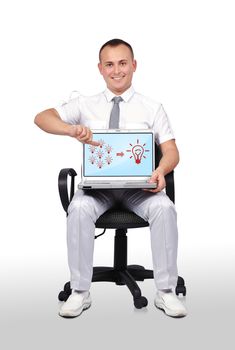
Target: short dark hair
116	42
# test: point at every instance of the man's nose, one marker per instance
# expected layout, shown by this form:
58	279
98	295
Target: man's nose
116	69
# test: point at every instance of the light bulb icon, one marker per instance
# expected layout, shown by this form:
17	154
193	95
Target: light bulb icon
138	151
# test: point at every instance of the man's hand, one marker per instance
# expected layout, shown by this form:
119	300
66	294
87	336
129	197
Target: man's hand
157	177
82	134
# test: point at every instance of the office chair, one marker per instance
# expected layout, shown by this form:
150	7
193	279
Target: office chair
121	220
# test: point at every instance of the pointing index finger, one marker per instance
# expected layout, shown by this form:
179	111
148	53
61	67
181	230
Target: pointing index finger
93	143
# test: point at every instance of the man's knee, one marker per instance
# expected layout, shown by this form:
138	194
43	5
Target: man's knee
82	205
162	204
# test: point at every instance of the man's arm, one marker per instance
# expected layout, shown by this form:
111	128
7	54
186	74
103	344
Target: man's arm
50	121
169	160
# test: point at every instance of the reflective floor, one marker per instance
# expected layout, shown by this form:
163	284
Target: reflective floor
29	318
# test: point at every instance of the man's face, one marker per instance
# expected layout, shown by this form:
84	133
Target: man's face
117	67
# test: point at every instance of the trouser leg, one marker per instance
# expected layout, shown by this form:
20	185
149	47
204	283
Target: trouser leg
159	211
83	211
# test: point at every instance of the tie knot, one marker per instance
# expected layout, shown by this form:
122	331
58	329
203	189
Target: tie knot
117	99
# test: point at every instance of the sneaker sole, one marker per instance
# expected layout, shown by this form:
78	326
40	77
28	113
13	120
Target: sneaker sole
75	314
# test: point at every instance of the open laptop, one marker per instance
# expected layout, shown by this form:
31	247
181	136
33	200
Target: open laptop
124	159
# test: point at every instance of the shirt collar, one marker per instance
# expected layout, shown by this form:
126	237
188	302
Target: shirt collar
126	95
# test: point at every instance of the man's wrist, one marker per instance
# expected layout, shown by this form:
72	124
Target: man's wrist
71	130
160	170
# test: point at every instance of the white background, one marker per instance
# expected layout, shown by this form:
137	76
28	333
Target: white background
185	54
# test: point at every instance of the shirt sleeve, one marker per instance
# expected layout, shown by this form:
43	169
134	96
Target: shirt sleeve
162	127
70	111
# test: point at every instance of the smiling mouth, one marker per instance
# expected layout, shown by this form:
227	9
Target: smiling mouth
117	78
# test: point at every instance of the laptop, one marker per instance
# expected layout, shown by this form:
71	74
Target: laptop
124	159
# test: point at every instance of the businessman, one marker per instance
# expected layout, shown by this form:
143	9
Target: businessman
119	106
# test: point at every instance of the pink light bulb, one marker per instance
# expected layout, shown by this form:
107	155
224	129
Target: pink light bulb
138	151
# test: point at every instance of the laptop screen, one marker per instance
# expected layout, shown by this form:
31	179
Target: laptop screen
119	154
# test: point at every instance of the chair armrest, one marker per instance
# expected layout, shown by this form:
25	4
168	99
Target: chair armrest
170	186
63	186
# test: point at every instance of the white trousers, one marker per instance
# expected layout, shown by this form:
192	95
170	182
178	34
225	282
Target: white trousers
156	208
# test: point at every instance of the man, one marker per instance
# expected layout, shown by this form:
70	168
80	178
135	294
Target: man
76	119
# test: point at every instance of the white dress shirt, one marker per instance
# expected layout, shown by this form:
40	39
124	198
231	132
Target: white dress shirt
136	112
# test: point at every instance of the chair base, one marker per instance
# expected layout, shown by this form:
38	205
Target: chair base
128	277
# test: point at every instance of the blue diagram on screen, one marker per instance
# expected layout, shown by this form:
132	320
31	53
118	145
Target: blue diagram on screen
127	154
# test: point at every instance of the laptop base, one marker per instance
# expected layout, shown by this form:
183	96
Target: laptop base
116	185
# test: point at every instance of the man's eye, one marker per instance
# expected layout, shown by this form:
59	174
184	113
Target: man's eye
109	65
123	63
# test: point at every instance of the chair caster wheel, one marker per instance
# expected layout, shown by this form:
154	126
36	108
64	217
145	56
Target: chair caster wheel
180	290
140	302
180	281
63	296
67	288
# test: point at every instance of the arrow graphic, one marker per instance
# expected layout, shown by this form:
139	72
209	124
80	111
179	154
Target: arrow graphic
121	154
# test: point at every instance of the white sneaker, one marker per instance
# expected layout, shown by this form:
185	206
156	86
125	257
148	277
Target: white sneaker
75	304
170	303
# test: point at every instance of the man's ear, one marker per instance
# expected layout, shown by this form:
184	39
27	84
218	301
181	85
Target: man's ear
134	64
100	67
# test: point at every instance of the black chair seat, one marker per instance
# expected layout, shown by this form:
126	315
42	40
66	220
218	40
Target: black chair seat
120	219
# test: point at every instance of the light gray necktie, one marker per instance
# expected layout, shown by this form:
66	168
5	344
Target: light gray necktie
114	116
